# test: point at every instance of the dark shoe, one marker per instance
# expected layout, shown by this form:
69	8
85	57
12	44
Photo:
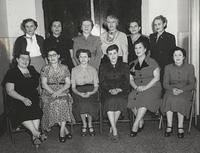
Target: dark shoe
141	128
68	136
36	142
133	134
62	139
115	138
91	131
168	133
180	135
43	137
83	131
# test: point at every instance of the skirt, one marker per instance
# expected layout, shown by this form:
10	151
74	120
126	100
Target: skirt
88	105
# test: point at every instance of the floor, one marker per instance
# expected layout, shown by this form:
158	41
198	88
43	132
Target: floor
150	140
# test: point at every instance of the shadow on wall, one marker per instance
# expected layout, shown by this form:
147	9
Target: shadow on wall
4	65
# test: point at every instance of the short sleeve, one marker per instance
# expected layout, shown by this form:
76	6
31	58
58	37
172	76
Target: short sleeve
73	78
96	79
66	71
10	77
44	71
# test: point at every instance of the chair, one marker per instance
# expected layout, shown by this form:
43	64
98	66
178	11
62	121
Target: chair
10	128
192	112
99	121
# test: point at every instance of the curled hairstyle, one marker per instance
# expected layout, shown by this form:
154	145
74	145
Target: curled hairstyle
112	17
14	60
136	21
52	49
23	24
181	49
144	43
81	22
162	18
79	51
112	47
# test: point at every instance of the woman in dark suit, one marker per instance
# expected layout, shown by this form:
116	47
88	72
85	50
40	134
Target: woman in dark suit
114	84
179	80
30	42
162	43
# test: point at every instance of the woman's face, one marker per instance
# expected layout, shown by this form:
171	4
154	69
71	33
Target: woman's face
178	57
86	27
83	58
113	56
140	49
56	28
23	61
30	28
53	57
134	28
159	25
112	24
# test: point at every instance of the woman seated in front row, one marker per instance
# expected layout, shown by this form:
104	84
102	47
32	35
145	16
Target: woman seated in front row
114	83
21	84
85	81
179	80
146	93
57	101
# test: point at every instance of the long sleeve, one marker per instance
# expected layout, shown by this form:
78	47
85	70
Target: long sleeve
104	87
98	51
191	80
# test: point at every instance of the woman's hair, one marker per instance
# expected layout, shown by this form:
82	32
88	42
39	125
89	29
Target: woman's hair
144	43
113	17
53	49
162	18
51	24
26	21
14	60
136	21
112	47
81	22
181	49
79	51
22	53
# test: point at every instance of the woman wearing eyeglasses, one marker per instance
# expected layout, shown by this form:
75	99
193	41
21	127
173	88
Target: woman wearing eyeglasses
57	102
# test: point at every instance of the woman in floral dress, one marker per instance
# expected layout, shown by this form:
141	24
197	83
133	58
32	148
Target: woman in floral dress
57	102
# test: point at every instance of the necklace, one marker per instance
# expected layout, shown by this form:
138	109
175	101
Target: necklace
111	37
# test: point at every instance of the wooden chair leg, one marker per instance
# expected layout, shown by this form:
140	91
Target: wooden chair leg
100	120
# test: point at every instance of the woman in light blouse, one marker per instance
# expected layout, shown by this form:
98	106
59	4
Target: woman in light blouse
85	81
114	36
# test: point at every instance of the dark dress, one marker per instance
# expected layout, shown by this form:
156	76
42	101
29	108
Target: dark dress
63	45
27	87
85	80
161	49
150	98
131	50
111	77
178	77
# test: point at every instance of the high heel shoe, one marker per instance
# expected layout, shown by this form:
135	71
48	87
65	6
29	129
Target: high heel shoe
168	133
83	131
133	133
68	136
91	131
180	135
62	139
140	128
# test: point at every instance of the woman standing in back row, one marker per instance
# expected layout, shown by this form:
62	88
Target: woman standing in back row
162	43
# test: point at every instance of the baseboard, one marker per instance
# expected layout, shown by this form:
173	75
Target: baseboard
2	124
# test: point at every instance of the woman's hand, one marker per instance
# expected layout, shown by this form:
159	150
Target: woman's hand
141	88
115	91
177	91
27	102
56	94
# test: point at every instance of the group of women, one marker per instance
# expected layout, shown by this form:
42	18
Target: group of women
133	71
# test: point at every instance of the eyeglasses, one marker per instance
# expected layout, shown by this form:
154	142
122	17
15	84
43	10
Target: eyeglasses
52	55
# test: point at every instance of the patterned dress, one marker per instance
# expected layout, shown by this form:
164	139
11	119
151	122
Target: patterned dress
56	109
